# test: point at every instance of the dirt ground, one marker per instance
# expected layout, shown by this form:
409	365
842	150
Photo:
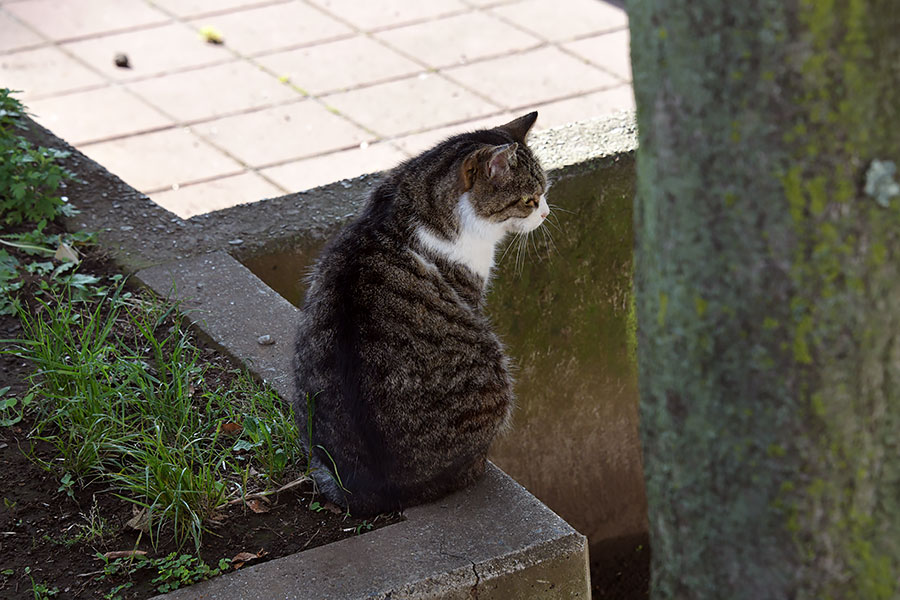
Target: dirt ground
40	524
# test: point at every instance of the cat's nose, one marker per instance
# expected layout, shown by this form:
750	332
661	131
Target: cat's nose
544	214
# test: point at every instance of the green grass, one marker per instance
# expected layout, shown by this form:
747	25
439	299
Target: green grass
122	395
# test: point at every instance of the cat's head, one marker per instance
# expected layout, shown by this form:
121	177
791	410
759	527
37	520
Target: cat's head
488	178
471	190
504	182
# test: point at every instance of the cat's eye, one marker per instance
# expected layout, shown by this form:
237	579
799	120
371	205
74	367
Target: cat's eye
529	201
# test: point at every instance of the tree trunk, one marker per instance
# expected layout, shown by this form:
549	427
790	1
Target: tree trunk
768	296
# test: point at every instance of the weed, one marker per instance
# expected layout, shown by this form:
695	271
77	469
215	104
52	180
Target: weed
310	411
174	485
65	485
364	526
40	590
171	572
11	408
29	176
95	528
113	594
179	571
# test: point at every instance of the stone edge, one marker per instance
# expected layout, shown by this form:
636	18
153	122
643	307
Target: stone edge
140	234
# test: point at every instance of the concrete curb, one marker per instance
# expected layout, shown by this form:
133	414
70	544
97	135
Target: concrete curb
492	541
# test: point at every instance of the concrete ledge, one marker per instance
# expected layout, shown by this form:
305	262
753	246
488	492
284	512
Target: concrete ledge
493	541
234	310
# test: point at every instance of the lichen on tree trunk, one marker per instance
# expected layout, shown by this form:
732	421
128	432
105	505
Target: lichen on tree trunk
768	296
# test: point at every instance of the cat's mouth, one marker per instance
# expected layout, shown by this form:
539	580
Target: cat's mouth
532	221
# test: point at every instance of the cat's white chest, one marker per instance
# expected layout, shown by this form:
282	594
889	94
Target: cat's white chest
474	246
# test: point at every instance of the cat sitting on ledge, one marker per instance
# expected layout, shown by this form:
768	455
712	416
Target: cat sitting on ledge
407	381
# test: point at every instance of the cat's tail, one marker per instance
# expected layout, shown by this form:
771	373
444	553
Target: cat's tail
327	483
360	491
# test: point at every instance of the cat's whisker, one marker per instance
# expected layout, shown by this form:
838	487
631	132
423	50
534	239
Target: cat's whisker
509	245
555	207
549	243
525	239
542	244
553	220
553	243
519	266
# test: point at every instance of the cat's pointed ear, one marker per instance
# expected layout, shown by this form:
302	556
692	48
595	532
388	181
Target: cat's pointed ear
502	159
494	161
518	128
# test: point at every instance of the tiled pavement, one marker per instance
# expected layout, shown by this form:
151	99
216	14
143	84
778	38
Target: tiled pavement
301	92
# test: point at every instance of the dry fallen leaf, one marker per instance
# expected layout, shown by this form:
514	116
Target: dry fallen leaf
231	427
211	35
257	506
140	520
242	558
330	506
66	253
123	554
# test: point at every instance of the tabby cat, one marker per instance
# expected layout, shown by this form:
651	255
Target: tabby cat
395	359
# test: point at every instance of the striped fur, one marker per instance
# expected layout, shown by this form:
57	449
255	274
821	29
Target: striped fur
410	384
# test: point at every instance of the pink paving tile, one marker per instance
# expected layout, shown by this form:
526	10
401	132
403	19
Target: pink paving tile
199	198
320	170
375	14
413	104
274	27
153	51
548	19
469	36
196	8
166	158
582	108
532	77
282	133
609	51
361	61
14	35
44	72
94	115
69	19
212	92
420	142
